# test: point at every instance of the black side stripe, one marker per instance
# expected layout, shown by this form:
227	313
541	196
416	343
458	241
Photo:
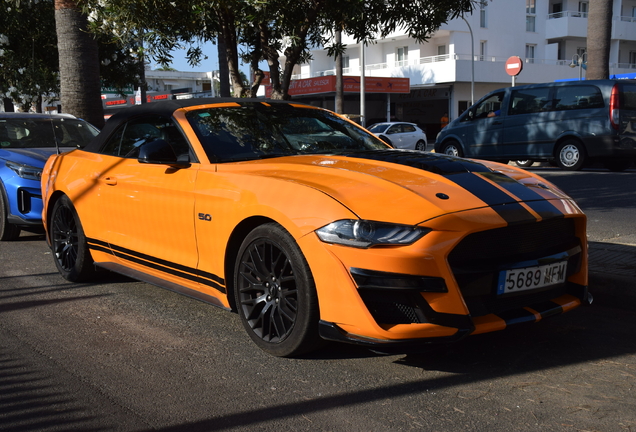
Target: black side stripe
184	272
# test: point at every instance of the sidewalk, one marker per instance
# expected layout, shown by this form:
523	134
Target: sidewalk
612	274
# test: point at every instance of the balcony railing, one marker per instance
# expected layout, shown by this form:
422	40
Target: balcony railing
449	57
575	14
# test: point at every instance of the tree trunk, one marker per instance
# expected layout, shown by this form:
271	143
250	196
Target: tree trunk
8	105
339	86
599	33
80	87
224	72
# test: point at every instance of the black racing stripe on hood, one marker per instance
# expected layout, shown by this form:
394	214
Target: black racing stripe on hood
431	162
535	201
506	206
461	172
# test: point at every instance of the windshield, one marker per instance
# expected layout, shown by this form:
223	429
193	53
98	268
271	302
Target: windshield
378	128
44	132
256	131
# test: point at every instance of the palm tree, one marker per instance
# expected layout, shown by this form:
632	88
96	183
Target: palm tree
599	33
80	88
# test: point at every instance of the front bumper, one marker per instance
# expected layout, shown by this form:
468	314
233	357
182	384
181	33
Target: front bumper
444	287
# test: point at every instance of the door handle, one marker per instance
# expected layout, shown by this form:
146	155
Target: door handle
112	181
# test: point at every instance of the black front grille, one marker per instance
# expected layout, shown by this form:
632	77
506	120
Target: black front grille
477	260
392	306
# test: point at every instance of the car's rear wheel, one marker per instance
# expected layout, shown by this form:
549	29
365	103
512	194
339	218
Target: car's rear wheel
570	155
525	163
420	145
8	231
68	243
452	148
275	293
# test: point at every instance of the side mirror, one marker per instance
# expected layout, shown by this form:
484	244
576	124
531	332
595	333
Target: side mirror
160	152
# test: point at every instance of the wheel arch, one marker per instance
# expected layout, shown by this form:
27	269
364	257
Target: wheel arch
55	196
566	137
233	245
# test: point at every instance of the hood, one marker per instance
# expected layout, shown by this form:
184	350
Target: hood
29	156
413	187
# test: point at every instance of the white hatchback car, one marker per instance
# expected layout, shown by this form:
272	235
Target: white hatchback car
401	135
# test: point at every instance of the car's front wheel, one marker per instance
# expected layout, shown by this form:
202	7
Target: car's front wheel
525	163
68	243
8	231
275	293
570	155
452	148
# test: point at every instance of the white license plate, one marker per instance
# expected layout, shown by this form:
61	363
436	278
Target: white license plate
528	278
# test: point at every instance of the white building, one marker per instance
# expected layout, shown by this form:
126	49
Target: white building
548	35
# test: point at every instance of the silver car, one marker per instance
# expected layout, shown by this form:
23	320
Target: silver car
401	135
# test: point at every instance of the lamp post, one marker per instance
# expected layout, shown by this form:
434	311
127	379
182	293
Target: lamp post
472	63
579	60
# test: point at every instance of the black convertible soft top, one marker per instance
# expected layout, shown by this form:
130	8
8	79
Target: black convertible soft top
163	108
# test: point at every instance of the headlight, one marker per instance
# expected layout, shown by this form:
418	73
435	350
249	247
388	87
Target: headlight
364	233
26	171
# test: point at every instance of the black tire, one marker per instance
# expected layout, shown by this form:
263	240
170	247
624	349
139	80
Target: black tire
570	155
420	145
8	231
525	163
275	293
452	148
68	243
617	165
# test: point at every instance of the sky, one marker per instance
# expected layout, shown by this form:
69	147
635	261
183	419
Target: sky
180	63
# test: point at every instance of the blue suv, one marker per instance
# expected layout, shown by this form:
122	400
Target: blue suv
26	142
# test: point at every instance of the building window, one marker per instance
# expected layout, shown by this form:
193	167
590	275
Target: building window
483	50
402	56
530	16
581	51
482	15
345	63
632	59
530	7
441	50
557	10
583	8
530	53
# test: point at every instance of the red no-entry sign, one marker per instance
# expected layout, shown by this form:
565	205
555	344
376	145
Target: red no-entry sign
514	66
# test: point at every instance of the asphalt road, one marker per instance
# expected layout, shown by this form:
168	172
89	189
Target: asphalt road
122	355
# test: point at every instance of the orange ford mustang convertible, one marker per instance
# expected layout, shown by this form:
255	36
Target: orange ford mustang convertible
311	228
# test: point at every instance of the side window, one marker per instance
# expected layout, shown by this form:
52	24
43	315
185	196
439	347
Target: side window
528	101
578	97
394	129
409	128
490	105
127	140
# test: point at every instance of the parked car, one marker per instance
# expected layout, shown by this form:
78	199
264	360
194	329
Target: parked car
401	135
570	123
330	236
26	142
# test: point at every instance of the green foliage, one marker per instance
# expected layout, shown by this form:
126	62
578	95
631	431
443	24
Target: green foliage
28	54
